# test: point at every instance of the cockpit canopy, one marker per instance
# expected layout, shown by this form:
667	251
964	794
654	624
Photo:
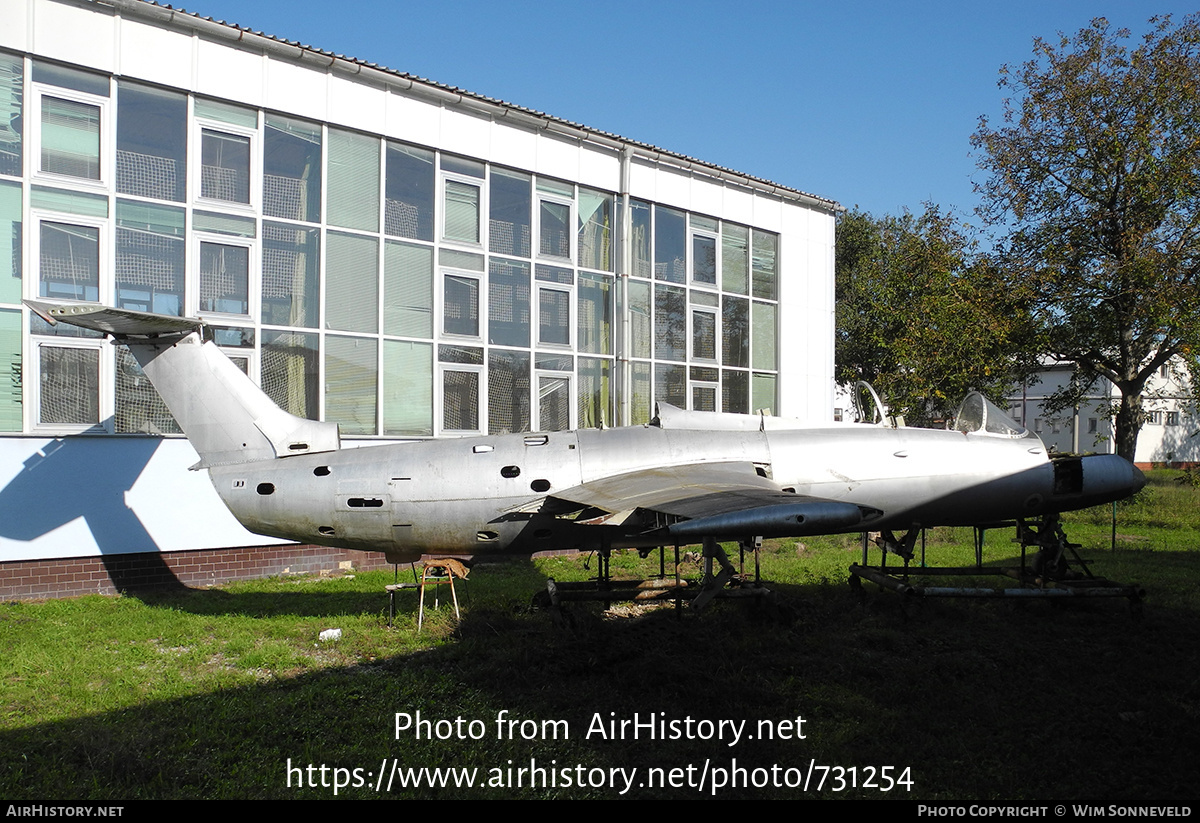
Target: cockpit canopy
978	415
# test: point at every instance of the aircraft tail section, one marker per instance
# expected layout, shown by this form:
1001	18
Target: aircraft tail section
226	417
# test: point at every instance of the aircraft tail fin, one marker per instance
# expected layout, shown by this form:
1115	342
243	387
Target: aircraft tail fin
226	417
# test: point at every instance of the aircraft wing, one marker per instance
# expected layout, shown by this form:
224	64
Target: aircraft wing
710	499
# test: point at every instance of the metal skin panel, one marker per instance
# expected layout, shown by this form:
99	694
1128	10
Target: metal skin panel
641	486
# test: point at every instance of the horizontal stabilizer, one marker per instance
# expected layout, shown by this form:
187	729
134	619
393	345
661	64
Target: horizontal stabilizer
117	322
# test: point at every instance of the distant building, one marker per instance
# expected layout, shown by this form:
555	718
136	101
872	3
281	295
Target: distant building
1168	436
406	259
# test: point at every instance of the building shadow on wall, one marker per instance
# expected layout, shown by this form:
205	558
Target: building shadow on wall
85	477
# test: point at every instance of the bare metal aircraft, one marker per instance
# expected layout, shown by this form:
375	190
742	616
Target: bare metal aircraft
687	477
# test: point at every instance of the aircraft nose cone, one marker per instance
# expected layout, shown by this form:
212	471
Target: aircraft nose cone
1139	479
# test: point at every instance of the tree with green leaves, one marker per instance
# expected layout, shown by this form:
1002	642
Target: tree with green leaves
1094	185
922	316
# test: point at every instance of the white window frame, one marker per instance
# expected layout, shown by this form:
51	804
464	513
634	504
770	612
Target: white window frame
196	164
572	233
480	279
691	333
105	390
569	291
253	276
107	144
104	276
535	421
693	233
439	398
481	226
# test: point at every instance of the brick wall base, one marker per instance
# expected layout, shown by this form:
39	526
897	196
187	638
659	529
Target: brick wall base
115	573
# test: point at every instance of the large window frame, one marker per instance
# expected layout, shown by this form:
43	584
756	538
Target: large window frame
104	385
105	172
253	280
104	254
253	203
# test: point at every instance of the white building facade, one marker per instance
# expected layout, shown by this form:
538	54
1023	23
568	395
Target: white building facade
1169	434
403	258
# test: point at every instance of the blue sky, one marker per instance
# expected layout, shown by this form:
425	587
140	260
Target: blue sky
866	103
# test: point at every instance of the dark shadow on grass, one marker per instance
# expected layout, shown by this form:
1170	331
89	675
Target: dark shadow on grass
1019	701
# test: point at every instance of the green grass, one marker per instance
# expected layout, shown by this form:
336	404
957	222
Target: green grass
209	693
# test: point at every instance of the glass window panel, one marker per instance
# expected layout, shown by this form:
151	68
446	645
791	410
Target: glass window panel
704	374
699	221
555	274
139	409
407	388
764	335
70	138
150	258
151	142
460	305
72	202
641	238
353	180
735	391
224	278
12	95
554	362
704	259
226	113
290	275
640	402
455	259
509	202
68	78
554	317
670	244
290	371
595	230
10	243
595	313
409	192
670	323
735	331
224	224
594	388
560	188
639	318
462	211
233	337
460	400
10	371
351	377
555	232
554	404
224	166
763	393
472	355
70	385
408	290
508	392
508	303
670	385
735	256
704	335
292	169
351	282
766	247
703	298
462	165
70	262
